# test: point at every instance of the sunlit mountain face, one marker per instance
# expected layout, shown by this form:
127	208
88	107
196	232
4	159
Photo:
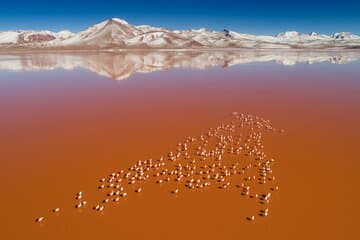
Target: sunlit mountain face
121	65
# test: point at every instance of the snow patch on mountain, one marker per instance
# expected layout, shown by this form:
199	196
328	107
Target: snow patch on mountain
32	37
345	36
8	37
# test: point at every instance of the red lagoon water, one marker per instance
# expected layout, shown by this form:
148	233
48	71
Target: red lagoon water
62	131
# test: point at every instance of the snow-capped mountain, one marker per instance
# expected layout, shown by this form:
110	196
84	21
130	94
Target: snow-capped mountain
116	33
293	36
345	36
113	32
32	37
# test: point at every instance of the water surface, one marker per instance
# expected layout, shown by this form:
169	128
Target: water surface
65	123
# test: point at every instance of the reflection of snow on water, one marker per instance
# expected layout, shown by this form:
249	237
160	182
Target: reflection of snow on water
122	65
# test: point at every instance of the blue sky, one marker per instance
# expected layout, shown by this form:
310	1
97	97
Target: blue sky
258	17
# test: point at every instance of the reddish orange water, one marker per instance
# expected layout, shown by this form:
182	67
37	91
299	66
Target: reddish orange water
62	131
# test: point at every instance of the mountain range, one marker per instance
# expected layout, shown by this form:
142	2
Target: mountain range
116	33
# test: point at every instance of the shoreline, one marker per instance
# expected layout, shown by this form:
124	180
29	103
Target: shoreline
124	50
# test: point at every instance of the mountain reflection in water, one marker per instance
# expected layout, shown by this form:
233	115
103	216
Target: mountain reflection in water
121	65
